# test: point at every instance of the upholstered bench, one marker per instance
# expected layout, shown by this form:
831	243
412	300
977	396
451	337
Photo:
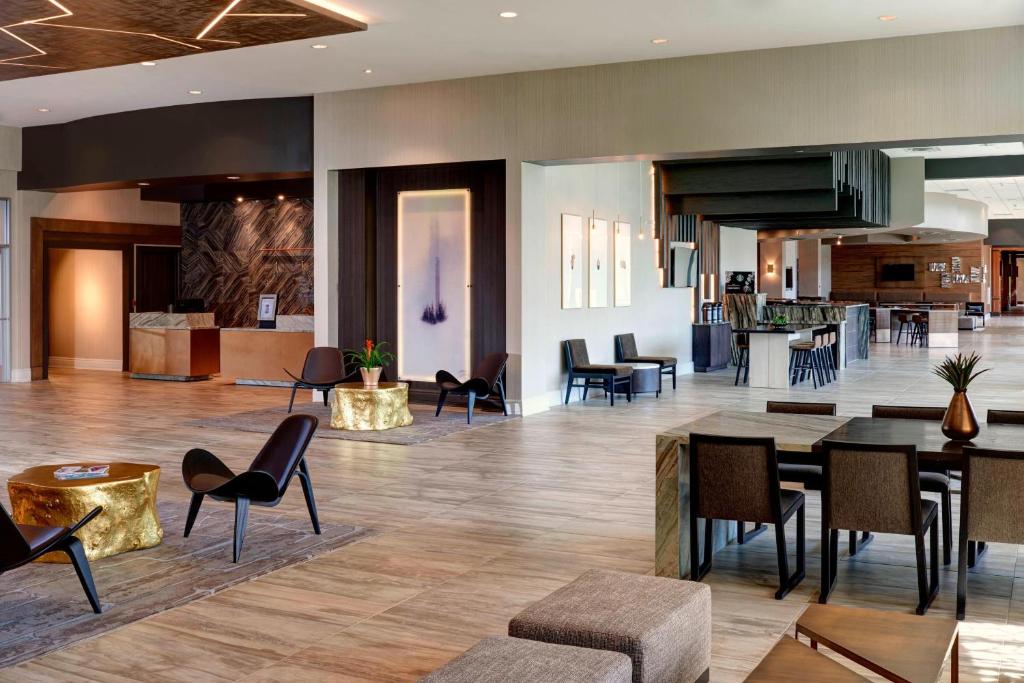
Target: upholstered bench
664	625
967	322
513	660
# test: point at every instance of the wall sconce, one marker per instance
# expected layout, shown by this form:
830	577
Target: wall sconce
770	268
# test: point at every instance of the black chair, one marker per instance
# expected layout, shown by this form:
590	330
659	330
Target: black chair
263	484
23	543
488	379
1005	417
876	487
933	479
625	352
991	509
794	467
733	478
323	370
611	378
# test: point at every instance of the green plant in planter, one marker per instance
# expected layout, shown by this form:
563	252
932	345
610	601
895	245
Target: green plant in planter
370	356
959	370
779	321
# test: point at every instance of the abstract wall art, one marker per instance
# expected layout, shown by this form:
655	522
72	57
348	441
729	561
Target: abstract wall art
623	263
433	284
598	263
572	261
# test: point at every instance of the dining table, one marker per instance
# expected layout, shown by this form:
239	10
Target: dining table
800	436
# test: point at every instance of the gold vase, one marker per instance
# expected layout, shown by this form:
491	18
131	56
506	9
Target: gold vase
960	424
371	377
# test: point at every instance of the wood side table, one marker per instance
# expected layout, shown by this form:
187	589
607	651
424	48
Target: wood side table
129	520
357	408
791	661
898	647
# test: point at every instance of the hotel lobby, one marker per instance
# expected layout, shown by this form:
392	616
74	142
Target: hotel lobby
326	261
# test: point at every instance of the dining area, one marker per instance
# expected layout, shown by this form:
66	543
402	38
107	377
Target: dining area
723	479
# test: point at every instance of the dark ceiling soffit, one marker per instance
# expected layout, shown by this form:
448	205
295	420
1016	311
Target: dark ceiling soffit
228	191
236	137
973	167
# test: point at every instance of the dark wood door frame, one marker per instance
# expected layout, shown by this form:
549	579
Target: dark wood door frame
57	233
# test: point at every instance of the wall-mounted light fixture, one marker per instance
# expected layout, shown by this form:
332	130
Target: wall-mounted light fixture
770	268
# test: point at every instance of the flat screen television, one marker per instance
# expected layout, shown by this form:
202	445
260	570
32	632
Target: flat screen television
683	267
898	272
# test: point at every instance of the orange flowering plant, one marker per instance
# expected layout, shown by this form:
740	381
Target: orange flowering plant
371	355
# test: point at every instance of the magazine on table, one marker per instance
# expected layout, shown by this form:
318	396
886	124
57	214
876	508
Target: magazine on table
78	472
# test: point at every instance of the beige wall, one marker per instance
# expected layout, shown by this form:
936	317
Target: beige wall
86	309
937	86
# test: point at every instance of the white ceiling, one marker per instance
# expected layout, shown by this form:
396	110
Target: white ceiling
421	40
988	149
1004	196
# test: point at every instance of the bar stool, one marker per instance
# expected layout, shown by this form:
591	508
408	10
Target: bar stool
919	331
831	354
742	357
822	346
803	359
904	320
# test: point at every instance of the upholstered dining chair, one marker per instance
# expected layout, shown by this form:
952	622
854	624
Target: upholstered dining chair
876	487
488	380
738	478
23	543
323	370
1005	417
626	352
611	378
933	479
991	508
264	483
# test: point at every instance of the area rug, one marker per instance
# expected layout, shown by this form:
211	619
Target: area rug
425	427
43	607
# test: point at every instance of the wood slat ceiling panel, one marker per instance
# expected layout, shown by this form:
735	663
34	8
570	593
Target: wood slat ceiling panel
39	37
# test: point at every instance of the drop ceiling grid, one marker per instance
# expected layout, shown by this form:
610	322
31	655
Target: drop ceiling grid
1004	196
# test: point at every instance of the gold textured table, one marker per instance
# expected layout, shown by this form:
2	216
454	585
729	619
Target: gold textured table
129	520
356	408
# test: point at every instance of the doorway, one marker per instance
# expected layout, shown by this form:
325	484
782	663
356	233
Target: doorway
86	302
157	277
5	291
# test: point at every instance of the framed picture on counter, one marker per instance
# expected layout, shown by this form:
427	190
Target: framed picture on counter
267	313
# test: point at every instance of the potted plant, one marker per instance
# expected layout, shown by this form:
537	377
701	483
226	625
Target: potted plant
960	423
778	321
371	359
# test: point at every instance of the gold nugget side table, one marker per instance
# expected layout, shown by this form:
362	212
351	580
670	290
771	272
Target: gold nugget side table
129	520
357	408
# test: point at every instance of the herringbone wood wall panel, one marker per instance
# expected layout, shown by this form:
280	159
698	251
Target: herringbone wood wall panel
233	252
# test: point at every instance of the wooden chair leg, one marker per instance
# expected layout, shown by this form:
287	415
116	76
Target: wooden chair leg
307	491
291	401
922	572
76	553
326	393
471	401
694	548
788	582
947	527
193	512
826	563
855	545
501	392
440	402
568	389
241	519
961	582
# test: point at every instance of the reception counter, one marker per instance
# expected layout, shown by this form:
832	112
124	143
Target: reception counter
255	356
943	324
180	347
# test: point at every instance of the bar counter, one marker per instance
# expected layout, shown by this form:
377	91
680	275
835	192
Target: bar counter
255	356
851	319
178	347
769	352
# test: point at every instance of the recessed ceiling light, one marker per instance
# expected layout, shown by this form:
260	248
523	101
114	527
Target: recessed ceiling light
233	177
195	92
887	17
319	46
367	71
42	110
148	63
143	184
280	197
509	15
659	41
239	199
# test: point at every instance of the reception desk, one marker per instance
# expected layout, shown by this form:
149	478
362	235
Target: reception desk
180	347
255	356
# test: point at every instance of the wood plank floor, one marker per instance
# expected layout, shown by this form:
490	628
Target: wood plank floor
475	526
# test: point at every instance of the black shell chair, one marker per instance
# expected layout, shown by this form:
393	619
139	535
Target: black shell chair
323	370
488	380
263	484
23	543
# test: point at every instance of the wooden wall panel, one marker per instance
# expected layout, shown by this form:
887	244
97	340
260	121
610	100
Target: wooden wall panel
233	252
855	268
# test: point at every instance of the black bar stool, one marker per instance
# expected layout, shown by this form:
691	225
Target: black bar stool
919	330
804	359
742	357
904	320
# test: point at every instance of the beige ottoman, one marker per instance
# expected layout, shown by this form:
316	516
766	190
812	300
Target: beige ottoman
512	660
664	625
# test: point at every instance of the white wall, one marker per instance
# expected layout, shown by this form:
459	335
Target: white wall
738	252
789	261
659	317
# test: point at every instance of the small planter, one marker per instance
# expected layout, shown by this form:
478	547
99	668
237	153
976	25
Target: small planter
371	377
